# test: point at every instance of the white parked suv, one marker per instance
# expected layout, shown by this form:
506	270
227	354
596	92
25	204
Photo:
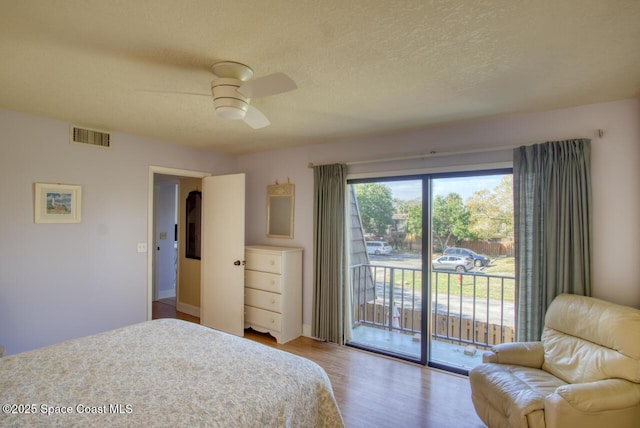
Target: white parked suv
378	247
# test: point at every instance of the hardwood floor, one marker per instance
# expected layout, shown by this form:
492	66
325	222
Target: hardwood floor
376	391
166	308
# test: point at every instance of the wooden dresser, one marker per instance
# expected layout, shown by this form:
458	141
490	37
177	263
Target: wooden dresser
273	291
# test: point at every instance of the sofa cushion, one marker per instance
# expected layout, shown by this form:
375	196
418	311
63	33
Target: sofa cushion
587	340
576	360
514	392
603	323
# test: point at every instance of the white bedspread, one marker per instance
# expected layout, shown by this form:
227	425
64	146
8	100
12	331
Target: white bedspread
164	373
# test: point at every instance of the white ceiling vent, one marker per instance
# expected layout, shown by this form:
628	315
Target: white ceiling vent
90	137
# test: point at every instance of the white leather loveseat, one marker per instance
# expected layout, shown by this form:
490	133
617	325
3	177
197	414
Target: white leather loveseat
585	371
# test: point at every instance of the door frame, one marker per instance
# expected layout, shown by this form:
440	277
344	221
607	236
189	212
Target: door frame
151	221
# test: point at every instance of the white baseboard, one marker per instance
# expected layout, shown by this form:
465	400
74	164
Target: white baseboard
165	294
188	309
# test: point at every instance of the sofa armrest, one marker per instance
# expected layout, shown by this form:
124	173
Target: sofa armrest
608	394
527	354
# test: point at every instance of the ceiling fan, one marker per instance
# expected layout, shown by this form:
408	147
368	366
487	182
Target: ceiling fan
234	86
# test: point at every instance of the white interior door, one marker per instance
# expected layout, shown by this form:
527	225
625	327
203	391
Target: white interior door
222	257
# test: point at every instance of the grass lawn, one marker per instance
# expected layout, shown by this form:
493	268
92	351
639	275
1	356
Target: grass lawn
488	283
480	286
502	266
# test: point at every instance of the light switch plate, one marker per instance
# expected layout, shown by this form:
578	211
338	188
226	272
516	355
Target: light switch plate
142	247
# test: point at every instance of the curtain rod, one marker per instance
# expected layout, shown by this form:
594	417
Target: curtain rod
431	154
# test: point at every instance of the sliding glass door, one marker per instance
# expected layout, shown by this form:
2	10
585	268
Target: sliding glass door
439	297
472	267
386	260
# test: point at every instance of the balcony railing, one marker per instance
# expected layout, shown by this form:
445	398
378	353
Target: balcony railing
470	308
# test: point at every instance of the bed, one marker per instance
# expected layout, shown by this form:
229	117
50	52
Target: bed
164	373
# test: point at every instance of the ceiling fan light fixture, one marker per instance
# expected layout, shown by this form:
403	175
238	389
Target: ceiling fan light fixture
233	70
228	102
234	86
231	112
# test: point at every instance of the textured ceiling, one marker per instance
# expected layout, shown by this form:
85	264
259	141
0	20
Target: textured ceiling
362	66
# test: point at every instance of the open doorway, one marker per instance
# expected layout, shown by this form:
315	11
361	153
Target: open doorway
173	279
165	236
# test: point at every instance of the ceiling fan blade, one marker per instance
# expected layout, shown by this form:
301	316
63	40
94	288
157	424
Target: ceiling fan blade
157	91
255	119
271	84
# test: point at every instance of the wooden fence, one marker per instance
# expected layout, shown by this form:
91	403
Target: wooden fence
451	327
492	249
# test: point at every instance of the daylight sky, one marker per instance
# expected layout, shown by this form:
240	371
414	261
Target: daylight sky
464	186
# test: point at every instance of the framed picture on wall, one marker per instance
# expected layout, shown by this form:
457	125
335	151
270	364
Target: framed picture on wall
57	203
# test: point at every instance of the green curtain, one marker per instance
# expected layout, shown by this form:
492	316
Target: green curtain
552	210
329	252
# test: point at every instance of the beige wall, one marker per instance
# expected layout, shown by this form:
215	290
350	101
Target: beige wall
188	298
615	177
62	281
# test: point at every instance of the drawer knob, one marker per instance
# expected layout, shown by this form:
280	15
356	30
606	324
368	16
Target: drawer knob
272	321
272	262
273	300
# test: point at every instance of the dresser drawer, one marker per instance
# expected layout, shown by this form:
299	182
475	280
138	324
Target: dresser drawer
262	318
263	300
263	281
264	262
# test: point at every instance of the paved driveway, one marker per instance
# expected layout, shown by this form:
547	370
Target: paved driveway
403	259
397	259
498	312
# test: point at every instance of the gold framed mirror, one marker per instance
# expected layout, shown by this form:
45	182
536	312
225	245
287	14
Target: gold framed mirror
280	210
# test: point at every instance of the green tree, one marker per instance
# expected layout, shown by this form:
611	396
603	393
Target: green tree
400	206
414	221
376	207
491	211
450	219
